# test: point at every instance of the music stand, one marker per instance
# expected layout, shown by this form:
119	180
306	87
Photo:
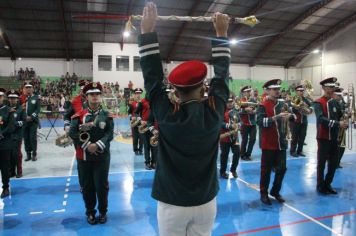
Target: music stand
56	116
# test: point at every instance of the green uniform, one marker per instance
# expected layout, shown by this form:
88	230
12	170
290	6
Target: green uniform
30	133
16	155
94	169
186	172
7	127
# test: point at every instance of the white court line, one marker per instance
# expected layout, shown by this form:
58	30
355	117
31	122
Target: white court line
71	166
58	211
11	214
65	195
295	210
35	212
64	203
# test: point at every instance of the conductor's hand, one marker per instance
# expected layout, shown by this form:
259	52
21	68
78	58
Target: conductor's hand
221	24
149	18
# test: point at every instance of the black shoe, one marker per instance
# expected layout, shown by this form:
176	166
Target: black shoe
243	158
12	175
5	193
34	156
322	190
304	143
301	154
248	158
102	218
234	174
28	158
153	166
294	154
265	199
278	197
91	219
330	190
224	175
148	167
19	176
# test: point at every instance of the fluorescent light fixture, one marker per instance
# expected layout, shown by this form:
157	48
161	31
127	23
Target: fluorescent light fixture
19	58
126	34
233	41
316	51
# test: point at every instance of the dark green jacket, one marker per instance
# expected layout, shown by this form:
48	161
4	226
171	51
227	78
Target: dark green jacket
186	173
101	134
19	119
7	127
33	107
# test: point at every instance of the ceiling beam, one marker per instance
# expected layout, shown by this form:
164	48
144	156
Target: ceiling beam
289	28
252	11
66	41
320	39
173	48
8	44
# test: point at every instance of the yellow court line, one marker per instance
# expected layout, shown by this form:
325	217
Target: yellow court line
120	139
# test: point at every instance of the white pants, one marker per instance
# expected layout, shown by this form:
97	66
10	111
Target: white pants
186	221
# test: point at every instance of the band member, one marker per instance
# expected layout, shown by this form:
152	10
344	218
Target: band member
248	127
143	112
342	132
92	131
19	119
137	141
300	125
229	126
328	114
7	127
272	119
185	182
77	105
30	132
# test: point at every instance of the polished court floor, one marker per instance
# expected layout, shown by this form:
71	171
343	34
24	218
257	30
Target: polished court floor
47	200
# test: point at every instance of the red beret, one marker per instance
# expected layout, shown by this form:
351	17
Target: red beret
188	74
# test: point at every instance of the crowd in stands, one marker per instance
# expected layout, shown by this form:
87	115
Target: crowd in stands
27	74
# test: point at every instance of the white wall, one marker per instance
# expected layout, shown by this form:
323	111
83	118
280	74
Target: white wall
123	77
47	67
338	58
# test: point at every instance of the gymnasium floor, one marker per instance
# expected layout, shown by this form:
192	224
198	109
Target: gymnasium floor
47	200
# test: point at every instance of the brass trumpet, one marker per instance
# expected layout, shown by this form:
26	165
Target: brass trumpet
300	105
63	140
154	140
84	137
143	128
134	123
246	104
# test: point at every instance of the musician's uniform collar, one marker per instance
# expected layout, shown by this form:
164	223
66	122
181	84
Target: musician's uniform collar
94	112
189	101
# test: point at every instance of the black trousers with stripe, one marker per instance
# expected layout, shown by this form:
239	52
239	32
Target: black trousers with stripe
328	151
272	159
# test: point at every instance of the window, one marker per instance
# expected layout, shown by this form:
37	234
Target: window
137	66
104	63
122	63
